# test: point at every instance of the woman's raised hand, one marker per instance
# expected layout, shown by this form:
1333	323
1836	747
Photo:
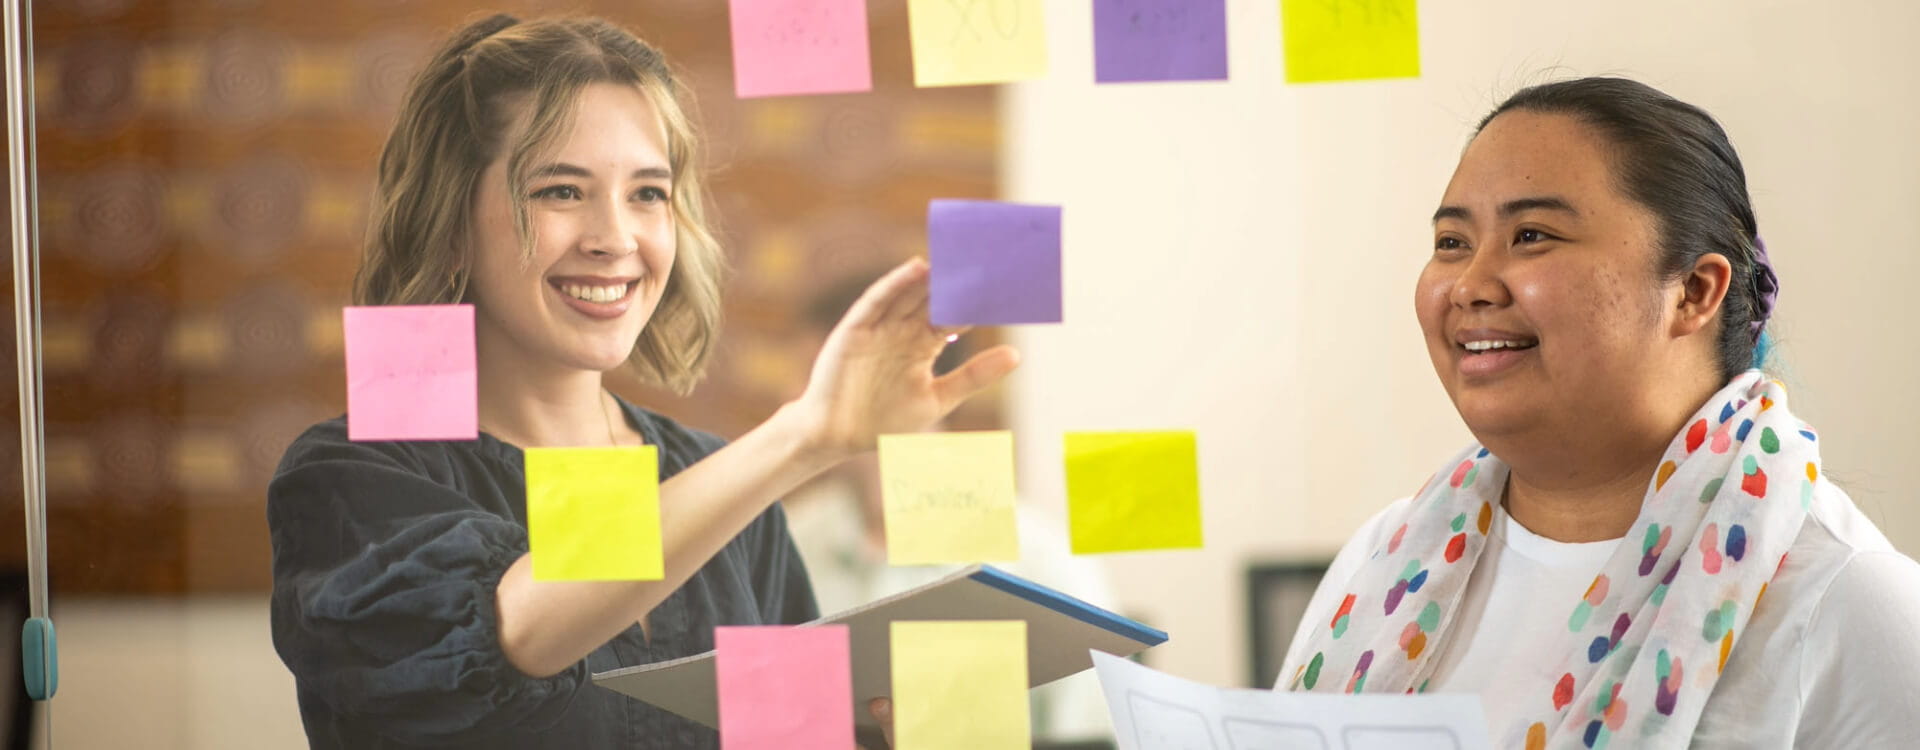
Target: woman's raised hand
874	375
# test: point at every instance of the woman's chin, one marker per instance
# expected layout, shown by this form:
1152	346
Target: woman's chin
609	363
1490	416
599	359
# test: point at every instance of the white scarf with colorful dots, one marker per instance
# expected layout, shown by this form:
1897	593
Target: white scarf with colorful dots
1646	641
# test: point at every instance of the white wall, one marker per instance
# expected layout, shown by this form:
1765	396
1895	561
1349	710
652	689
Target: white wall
1240	257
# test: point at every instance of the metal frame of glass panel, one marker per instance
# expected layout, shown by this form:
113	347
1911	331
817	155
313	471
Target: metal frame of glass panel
38	644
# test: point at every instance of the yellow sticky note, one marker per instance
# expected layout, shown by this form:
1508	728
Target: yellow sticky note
1133	490
1344	40
949	497
960	42
593	514
960	685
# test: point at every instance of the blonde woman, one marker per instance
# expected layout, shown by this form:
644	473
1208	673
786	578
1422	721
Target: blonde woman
546	172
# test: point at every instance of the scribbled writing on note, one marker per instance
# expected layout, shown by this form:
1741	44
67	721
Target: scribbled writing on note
1133	491
1344	40
1159	40
410	372
785	47
949	497
994	263
964	42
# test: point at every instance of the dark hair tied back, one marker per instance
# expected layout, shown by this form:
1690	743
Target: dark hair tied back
1675	160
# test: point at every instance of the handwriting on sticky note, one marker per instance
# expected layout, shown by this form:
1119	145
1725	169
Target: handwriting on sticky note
961	42
785	47
1343	40
1129	491
960	685
593	514
410	372
993	263
783	687
949	497
1159	40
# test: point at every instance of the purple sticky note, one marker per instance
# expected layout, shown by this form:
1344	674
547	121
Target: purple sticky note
799	47
410	373
1159	40
783	687
993	263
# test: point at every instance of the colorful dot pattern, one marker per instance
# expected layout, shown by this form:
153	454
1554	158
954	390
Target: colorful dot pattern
1731	491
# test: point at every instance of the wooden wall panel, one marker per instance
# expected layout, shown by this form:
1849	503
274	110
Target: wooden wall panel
204	171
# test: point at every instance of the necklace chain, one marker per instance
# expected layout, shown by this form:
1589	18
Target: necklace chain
607	414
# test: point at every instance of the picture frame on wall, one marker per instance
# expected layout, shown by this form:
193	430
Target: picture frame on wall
1278	594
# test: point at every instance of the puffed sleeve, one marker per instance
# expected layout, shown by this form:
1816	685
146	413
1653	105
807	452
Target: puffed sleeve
384	594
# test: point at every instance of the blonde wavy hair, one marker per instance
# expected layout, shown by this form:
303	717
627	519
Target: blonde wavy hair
450	126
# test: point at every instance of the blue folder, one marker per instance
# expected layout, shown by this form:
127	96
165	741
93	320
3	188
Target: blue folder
1060	631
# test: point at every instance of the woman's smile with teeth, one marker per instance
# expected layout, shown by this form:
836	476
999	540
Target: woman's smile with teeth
597	297
1483	346
594	293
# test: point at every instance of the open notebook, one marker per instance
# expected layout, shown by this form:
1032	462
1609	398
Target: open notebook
1060	630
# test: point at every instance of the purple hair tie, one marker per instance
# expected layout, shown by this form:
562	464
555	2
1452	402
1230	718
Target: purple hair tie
1764	282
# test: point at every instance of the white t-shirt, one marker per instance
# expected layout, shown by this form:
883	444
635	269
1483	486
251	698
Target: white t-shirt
1830	660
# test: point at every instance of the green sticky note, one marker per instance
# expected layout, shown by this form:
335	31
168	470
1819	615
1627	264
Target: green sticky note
593	514
949	497
960	685
961	42
1345	40
1131	491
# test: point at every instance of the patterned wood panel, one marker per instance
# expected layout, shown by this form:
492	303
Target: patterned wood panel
205	167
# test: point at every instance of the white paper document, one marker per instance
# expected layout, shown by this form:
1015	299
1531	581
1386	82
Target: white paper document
1156	711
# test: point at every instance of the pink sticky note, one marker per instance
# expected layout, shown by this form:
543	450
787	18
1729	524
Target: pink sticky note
799	47
410	373
784	687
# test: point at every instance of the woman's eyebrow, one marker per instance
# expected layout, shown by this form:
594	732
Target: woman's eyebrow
1453	212
563	169
559	169
1510	208
1536	203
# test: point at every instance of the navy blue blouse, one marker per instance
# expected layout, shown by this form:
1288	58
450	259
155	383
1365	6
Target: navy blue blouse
385	560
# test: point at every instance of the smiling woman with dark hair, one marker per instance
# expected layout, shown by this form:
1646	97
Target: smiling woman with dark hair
1641	547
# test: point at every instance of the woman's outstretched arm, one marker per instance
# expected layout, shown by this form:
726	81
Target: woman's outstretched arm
874	376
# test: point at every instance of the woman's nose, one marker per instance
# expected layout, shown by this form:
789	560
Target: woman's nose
1479	283
612	234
